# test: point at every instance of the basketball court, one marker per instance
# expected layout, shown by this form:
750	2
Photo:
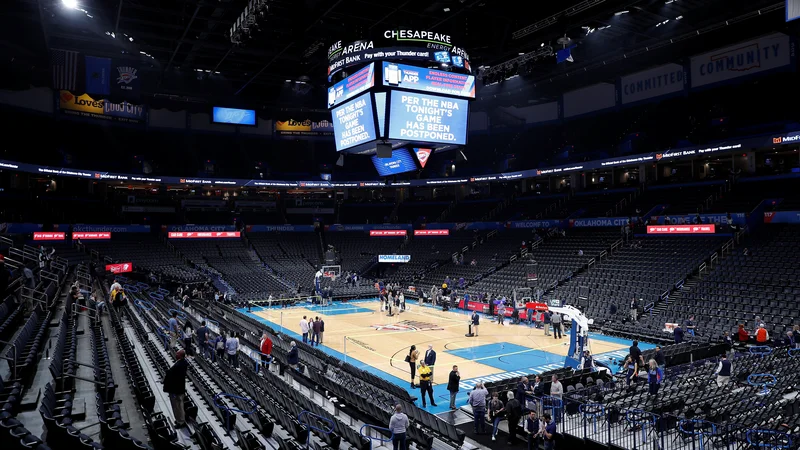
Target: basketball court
366	337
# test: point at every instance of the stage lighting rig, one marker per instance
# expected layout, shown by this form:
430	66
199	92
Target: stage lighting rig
505	69
248	21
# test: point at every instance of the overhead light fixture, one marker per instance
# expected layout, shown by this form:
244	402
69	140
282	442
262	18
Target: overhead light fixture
447	10
669	1
71	4
542	45
619	13
679	18
288	81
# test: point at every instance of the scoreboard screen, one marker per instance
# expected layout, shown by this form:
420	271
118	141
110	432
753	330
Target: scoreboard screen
351	86
427	118
400	161
428	80
354	122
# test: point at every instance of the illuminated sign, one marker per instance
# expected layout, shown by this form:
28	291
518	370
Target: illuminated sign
422	155
402	259
381	233
119	268
48	236
91	235
400	161
681	229
305	127
86	106
431	232
428	118
234	116
203	234
428	80
354	123
351	86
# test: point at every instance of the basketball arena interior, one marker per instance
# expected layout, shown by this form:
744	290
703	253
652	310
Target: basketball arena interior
353	224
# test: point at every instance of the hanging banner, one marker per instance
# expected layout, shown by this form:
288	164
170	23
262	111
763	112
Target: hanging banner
769	52
652	83
86	106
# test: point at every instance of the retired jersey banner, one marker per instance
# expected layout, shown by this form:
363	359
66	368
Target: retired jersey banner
652	83
769	52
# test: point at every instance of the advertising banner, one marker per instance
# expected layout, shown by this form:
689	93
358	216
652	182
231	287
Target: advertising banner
598	222
368	227
306	127
769	52
280	228
49	235
86	106
427	118
782	217
203	234
119	268
354	123
737	218
474	306
193	227
111	228
681	229
431	232
383	233
351	86
233	116
92	235
428	80
533	224
652	83
400	259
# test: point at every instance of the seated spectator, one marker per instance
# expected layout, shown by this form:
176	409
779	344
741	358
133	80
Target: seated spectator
742	334
762	336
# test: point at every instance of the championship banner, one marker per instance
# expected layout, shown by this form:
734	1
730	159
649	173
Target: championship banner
306	127
119	268
652	83
769	52
86	106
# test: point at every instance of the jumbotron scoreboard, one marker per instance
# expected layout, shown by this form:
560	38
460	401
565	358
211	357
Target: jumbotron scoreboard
412	88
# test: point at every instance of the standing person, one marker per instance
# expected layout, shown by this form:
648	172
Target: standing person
411	359
496	413
232	349
689	324
476	321
477	400
654	377
174	329
425	383
634	309
293	357
678	334
546	321
397	426
501	314
723	371
513	411
402	301
555	319
202	339
175	386
265	347
535	430
430	358
556	388
188	335
453	385
636	353
219	345
304	329
321	331
549	432
315	331
631	370
661	360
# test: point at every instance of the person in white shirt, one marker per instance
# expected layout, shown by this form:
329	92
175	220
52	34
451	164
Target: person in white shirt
304	329
116	286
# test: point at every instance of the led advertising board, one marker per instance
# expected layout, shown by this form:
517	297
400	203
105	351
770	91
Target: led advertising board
351	86
401	161
428	118
354	122
428	80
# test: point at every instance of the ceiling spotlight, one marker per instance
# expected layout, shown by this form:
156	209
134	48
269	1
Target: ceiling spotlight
447	10
619	13
72	4
542	45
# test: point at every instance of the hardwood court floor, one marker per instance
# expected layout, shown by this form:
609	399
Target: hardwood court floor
364	334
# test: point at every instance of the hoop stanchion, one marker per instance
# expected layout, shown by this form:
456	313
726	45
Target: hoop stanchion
769	439
593	411
697	427
312	427
765	380
378	438
641	418
249	401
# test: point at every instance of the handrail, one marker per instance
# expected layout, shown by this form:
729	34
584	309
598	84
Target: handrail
781	440
369	437
13	366
312	427
695	430
230	409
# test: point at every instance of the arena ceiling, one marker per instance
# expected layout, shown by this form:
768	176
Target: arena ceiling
187	52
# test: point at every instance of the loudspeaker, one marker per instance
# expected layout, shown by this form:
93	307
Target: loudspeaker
384	150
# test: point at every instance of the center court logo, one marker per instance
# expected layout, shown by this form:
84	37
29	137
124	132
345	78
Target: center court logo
408	325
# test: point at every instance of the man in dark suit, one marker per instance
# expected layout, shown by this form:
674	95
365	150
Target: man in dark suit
175	386
430	358
453	385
